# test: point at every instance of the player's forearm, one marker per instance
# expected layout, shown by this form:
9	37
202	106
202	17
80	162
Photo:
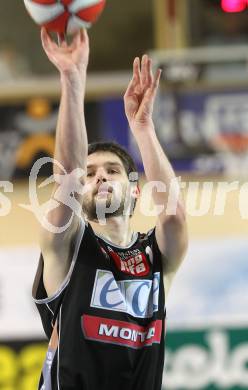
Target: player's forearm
156	165
71	137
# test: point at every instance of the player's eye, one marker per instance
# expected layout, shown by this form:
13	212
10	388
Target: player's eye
112	171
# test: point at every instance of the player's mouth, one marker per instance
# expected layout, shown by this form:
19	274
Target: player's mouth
102	193
103	190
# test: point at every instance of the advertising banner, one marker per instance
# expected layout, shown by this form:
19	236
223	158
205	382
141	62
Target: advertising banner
210	358
202	132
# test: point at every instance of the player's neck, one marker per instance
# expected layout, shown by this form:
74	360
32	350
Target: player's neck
117	230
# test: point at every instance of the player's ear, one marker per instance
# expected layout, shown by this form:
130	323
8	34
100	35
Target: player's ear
136	192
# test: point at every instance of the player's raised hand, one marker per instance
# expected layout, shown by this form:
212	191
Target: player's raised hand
140	94
67	57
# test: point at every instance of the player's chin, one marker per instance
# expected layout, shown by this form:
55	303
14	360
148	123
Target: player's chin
103	203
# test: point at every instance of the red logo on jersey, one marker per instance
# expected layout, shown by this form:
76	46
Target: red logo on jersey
120	332
131	262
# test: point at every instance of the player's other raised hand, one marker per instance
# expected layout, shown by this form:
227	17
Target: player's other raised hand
140	94
67	58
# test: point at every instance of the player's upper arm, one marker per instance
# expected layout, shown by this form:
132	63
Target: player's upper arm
56	247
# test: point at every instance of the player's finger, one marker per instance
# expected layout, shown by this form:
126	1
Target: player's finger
77	38
151	91
75	41
130	88
44	35
144	70
84	35
46	40
61	39
136	79
136	71
150	78
49	40
157	78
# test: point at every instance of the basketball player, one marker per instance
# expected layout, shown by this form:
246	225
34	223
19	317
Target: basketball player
101	288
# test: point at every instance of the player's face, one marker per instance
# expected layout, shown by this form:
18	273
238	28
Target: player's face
107	186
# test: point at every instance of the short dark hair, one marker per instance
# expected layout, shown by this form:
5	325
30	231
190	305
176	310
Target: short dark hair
117	149
124	156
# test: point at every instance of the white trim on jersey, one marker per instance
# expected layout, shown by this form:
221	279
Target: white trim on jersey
49	309
133	240
58	348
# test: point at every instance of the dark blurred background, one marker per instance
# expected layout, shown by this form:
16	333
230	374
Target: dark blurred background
126	30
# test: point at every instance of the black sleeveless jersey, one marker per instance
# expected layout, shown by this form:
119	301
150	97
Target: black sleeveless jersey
106	323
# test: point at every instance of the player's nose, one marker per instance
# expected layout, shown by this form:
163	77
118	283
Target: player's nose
101	176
